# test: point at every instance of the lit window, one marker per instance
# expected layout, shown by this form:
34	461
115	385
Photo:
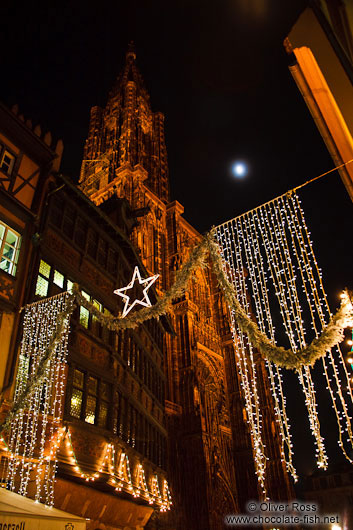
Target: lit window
84	313
90	399
44	269
90	409
76	403
95	324
103	413
77	393
97	305
84	317
9	249
50	281
90	321
92	384
7	162
86	295
91	405
42	285
59	279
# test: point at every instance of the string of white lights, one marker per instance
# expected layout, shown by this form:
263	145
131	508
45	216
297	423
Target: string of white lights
268	256
38	420
120	475
234	269
283	276
264	318
333	364
35	433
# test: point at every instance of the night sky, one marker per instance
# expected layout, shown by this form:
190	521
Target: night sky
219	73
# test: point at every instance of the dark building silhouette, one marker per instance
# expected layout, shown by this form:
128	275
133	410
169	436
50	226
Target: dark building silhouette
332	491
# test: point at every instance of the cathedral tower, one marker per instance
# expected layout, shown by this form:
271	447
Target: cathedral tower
211	466
127	138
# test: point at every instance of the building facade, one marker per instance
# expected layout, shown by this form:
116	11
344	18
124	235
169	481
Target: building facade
320	45
111	459
115	381
27	159
332	490
210	457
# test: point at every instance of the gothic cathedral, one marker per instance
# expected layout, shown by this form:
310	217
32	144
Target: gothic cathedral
210	458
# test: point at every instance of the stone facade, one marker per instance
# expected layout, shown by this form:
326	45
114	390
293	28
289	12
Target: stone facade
210	458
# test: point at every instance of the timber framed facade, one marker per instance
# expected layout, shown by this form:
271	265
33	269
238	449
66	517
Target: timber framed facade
114	383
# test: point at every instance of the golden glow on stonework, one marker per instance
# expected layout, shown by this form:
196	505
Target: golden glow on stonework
147	282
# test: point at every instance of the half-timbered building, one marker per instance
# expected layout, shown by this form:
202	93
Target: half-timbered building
52	237
27	159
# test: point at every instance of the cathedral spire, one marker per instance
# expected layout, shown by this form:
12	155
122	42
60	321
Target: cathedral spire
129	73
131	52
126	134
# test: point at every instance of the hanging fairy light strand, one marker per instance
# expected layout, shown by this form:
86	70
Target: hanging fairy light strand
267	255
231	255
259	281
273	245
40	390
334	368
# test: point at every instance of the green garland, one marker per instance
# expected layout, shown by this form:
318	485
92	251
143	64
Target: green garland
330	336
197	259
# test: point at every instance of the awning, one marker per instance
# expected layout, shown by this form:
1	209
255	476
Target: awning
20	513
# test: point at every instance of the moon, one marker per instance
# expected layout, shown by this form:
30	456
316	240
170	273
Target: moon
239	169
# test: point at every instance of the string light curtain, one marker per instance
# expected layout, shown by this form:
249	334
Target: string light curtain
268	257
39	412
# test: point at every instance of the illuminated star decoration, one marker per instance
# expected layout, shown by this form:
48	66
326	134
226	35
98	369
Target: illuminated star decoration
147	282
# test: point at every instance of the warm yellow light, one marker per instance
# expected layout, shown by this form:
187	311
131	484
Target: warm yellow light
350	342
90	417
336	527
350	360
